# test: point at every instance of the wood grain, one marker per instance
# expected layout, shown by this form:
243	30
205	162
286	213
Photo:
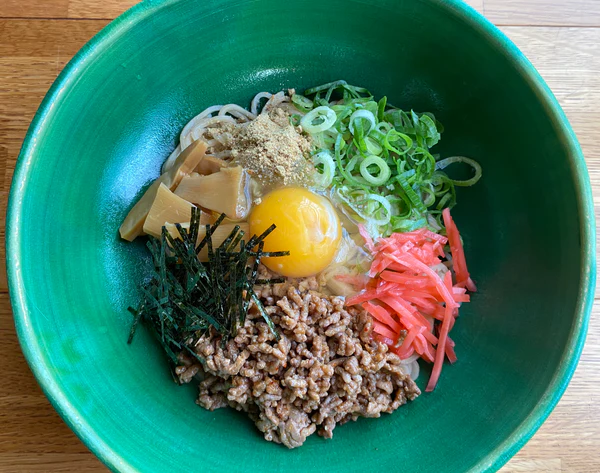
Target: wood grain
89	9
102	9
34	8
501	12
543	12
32	52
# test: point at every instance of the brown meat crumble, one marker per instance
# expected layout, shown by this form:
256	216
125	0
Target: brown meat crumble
325	369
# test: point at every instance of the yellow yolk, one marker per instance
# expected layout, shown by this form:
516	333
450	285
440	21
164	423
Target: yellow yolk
307	226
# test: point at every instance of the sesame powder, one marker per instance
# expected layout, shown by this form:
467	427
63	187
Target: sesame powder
272	150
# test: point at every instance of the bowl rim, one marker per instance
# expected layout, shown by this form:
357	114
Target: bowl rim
493	460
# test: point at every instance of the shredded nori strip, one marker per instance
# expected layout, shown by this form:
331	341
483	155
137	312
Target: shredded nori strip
186	298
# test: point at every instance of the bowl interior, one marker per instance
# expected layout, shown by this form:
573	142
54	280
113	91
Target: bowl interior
116	116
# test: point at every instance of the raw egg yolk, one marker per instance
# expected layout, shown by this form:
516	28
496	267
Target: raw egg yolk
307	226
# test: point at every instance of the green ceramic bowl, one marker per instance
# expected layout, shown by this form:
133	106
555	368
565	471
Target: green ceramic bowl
113	116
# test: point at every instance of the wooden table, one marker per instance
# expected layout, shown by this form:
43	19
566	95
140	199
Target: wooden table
38	37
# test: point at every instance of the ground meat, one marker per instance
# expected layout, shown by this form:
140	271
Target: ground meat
324	370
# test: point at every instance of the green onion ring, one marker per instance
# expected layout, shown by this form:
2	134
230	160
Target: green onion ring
461	159
384	170
324	157
323	113
396	134
385	204
362	114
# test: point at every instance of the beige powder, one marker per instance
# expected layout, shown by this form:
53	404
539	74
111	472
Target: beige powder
272	150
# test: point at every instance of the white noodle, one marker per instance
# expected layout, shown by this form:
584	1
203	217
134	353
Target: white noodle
256	101
218	114
201	116
410	359
414	370
196	133
237	112
441	269
274	101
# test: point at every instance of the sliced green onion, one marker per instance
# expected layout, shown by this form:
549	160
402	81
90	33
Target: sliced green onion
392	136
372	146
369	207
385	206
444	201
445	190
433	223
411	194
323	116
356	91
339	145
371	106
381	108
318	140
384	127
408	224
407	175
341	125
428	194
444	163
355	179
377	136
432	134
323	87
302	102
401	206
352	163
377	158
359	136
415	118
364	114
324	179
424	161
384	170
